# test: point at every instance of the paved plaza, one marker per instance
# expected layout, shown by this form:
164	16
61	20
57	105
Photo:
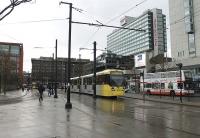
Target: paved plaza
96	118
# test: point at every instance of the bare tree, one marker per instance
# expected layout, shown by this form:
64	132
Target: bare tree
8	9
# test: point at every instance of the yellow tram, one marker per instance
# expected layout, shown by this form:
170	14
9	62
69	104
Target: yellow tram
109	83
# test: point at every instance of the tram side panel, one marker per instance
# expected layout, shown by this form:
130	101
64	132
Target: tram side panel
107	83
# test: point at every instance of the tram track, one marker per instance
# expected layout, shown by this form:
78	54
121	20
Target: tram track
142	114
157	117
171	106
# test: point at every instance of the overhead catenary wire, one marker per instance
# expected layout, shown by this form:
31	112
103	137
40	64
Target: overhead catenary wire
100	24
88	16
112	19
36	21
195	14
103	25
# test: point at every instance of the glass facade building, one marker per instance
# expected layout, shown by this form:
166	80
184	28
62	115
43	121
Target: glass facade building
128	42
11	65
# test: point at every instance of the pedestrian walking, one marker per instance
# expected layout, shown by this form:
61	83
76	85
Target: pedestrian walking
41	90
22	88
49	92
28	88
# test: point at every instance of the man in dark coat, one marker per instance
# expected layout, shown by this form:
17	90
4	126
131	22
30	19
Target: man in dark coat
41	89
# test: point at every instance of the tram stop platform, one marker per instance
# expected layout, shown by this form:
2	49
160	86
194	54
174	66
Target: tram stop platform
186	100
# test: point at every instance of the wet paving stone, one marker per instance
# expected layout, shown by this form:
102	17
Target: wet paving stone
98	118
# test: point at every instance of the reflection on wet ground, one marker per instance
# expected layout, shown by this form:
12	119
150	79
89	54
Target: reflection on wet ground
158	118
98	118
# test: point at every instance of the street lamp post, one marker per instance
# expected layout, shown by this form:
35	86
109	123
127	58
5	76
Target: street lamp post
68	104
94	68
55	95
65	76
52	72
142	75
79	74
180	65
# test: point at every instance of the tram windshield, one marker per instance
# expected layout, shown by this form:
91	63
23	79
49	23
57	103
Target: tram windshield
116	80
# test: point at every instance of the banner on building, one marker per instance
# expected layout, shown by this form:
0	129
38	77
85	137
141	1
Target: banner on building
140	60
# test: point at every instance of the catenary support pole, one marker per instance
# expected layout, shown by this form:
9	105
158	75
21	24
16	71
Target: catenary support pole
68	104
94	79
56	78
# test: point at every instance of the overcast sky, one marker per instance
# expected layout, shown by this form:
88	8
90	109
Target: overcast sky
21	26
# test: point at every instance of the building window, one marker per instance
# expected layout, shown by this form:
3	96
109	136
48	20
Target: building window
191	44
188	11
14	50
4	49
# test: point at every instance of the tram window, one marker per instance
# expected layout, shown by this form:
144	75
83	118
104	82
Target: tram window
101	79
80	81
89	81
84	81
107	79
98	80
72	81
116	80
75	82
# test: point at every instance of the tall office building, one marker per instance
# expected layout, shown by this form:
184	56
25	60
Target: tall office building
185	33
145	45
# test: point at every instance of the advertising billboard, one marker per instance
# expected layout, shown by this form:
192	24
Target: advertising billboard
140	60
